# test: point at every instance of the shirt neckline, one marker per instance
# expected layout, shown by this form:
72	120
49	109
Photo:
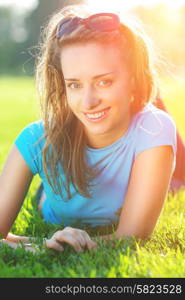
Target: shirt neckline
117	142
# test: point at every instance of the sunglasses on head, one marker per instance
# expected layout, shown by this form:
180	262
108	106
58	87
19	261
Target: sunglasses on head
97	22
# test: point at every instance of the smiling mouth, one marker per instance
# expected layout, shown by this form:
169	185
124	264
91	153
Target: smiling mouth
93	117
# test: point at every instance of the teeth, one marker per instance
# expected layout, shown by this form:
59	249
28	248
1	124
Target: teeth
97	115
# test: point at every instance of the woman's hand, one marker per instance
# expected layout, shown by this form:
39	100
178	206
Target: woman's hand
14	245
77	238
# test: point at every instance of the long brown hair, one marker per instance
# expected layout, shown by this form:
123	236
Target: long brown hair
65	141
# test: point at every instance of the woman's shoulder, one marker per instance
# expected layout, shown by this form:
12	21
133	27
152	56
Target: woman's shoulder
154	127
31	133
30	143
35	126
35	129
154	120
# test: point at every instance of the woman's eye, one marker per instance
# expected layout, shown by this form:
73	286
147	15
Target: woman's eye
105	83
74	85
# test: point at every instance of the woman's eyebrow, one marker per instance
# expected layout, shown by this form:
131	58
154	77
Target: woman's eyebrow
95	77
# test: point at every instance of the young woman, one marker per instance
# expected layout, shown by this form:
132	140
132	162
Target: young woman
104	152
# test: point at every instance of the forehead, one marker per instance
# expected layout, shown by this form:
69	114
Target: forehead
90	59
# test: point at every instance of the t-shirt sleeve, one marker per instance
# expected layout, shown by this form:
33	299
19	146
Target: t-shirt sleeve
156	129
29	143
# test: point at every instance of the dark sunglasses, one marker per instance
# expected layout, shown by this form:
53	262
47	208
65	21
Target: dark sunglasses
97	22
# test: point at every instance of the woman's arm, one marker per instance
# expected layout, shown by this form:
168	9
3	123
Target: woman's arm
148	185
15	180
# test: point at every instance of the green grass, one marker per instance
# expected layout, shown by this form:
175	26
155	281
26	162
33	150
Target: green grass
163	255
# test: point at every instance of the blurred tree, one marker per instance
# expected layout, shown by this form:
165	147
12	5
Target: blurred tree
8	45
37	20
19	34
33	24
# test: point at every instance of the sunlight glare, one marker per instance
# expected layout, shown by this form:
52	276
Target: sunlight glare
120	5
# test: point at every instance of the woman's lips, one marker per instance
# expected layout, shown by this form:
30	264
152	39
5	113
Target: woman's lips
98	116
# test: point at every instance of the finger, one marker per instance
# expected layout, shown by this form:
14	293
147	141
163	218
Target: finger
91	245
63	236
75	243
11	244
54	245
27	247
77	234
89	242
82	240
16	238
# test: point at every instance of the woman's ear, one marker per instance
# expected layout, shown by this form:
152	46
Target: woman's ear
132	84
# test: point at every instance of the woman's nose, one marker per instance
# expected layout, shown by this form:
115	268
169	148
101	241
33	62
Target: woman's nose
90	99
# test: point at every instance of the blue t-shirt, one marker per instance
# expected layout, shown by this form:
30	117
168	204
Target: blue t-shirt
149	128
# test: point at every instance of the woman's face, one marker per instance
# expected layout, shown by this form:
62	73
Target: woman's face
99	89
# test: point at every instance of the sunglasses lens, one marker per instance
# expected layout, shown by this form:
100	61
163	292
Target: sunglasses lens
67	26
103	22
